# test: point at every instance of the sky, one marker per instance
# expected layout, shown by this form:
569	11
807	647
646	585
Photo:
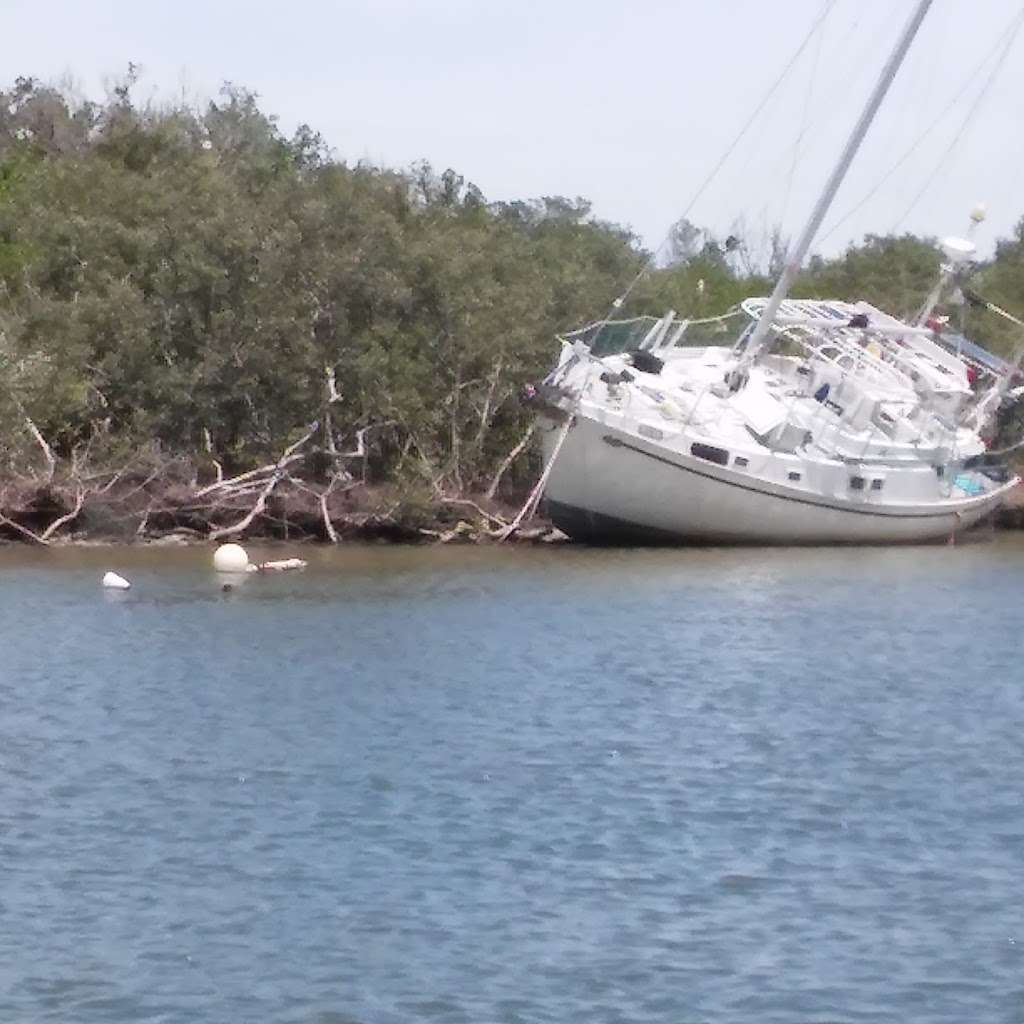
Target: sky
630	105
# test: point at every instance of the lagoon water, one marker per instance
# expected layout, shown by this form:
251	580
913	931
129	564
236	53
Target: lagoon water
514	786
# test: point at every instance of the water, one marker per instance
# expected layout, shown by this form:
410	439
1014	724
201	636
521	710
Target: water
514	786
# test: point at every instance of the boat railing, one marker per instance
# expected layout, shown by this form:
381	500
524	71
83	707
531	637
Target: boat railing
612	337
852	358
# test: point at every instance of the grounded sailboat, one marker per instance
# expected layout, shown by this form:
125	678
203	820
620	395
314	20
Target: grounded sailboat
783	421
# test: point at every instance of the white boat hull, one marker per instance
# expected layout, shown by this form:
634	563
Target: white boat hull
609	486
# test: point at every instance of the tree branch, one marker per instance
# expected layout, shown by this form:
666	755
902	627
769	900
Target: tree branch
58	523
508	460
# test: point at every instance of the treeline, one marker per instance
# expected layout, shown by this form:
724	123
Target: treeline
197	284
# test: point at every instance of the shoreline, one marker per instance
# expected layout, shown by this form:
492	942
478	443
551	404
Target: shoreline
161	512
258	507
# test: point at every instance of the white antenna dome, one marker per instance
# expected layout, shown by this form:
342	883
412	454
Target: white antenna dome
958	250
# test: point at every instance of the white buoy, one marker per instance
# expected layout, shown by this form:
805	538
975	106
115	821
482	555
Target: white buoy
114	582
230	558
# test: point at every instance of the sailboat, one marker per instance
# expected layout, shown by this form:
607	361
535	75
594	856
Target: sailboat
783	421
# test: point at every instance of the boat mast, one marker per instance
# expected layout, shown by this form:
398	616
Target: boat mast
796	256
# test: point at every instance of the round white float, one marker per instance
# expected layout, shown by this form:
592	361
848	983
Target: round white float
114	582
230	558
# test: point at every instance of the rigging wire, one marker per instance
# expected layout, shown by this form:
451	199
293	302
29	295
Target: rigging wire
535	495
1013	26
965	124
847	67
818	22
804	125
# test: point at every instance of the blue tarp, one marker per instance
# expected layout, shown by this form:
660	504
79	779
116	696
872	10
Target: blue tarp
977	354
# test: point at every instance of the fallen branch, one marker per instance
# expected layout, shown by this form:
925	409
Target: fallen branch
321	497
51	459
287	456
467	503
67	518
508	460
261	504
332	534
140	530
23	530
532	501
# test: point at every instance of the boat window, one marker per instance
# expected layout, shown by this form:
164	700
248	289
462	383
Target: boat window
877	485
710	452
794	475
741	462
857	483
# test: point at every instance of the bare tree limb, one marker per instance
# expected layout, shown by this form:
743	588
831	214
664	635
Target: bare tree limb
532	501
51	459
287	456
467	503
23	530
485	415
508	460
140	530
67	518
333	394
261	504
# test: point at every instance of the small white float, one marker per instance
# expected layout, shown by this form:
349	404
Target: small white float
114	582
231	558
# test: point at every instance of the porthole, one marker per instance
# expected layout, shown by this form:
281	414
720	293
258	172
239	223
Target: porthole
710	453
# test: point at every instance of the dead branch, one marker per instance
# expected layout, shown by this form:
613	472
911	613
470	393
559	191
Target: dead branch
287	456
51	459
45	536
261	504
508	460
467	503
333	394
332	534
485	415
533	500
139	487
23	530
140	530
321	497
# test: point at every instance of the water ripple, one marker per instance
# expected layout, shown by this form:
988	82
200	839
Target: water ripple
515	787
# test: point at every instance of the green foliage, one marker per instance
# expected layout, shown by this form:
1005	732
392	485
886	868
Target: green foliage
894	273
193	279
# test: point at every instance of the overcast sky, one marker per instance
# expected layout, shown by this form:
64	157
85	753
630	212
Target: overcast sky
627	104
